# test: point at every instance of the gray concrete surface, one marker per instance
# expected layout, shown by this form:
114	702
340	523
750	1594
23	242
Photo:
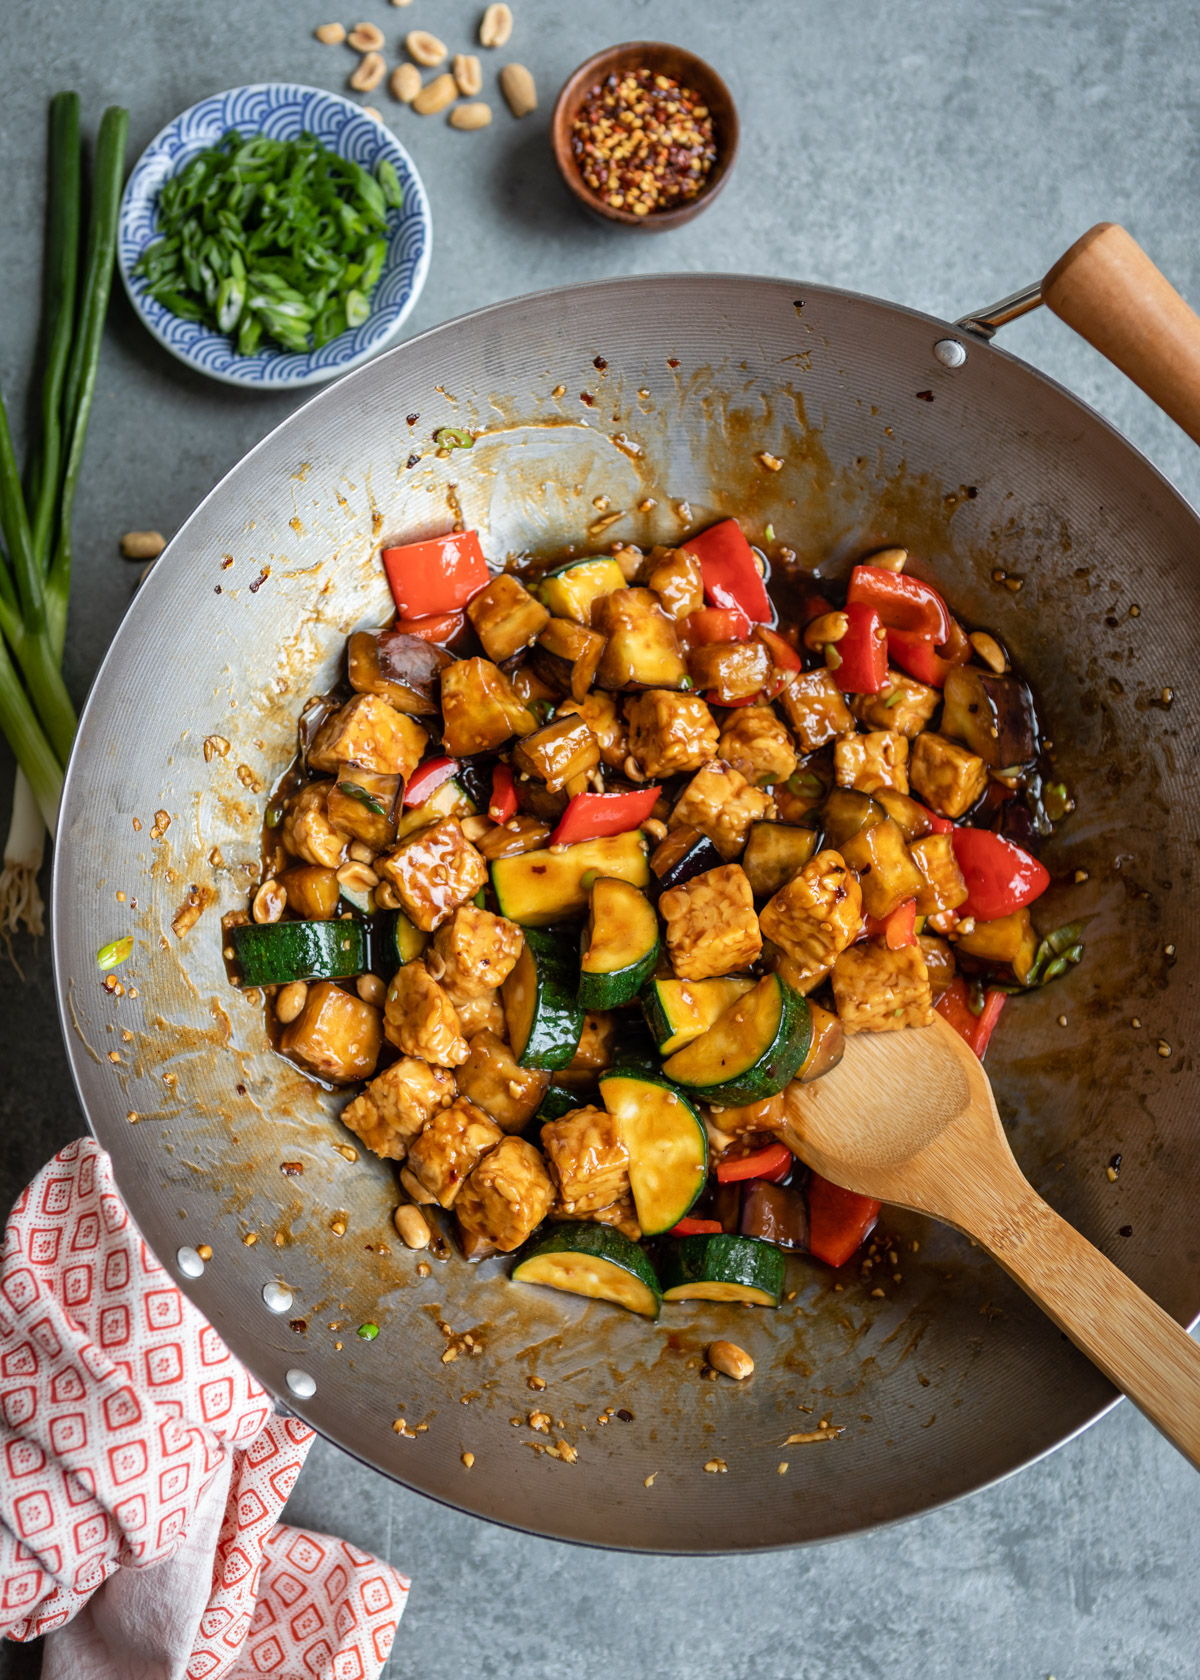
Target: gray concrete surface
939	153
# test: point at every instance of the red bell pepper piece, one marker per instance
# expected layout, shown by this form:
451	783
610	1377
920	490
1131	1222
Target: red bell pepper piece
438	627
730	572
859	662
502	806
903	603
772	1163
938	825
427	778
437	576
839	1221
715	624
696	1228
898	929
590	815
783	654
1000	876
926	662
975	1030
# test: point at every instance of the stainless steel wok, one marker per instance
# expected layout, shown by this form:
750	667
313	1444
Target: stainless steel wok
1037	520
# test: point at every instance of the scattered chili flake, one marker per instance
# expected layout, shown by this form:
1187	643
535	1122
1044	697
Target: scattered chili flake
643	142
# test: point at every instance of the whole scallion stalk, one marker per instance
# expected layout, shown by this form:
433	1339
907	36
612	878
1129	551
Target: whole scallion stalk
37	718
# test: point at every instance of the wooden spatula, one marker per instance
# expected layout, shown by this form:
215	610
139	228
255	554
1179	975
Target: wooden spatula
909	1117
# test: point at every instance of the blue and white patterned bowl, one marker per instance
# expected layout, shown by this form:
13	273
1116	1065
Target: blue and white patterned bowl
282	110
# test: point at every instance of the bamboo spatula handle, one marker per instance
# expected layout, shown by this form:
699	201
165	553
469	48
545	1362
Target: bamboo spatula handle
1137	1345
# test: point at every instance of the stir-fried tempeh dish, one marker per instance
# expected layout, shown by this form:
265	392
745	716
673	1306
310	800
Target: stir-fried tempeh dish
579	871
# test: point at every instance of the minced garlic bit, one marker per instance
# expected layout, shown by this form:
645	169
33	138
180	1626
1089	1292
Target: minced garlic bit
1081	876
468	1459
649	1482
826	1432
250	1239
716	1467
1135	1022
540	1421
537	1383
783	1467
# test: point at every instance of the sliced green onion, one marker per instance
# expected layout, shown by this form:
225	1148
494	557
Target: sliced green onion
686	683
389	181
453	437
769	534
274	816
115	952
588	879
894	696
352	790
1057	801
368	1332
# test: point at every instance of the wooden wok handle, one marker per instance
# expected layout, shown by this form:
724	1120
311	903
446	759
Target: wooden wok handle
1137	1345
1107	288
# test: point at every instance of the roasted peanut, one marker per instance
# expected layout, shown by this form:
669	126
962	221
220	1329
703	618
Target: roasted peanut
405	83
365	37
412	1226
730	1360
468	74
829	627
517	86
989	650
496	26
270	901
358	877
370	73
370	111
330	34
290	1000
142	545
891	559
424	49
371	989
436	95
474	115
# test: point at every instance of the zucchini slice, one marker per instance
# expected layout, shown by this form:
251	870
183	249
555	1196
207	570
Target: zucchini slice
276	953
677	1011
570	591
558	1100
751	1051
449	800
776	853
724	1268
593	1260
620	944
537	888
545	1019
402	941
667	1144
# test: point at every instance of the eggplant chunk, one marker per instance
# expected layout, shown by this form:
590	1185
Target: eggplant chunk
643	649
1009	939
599	711
403	669
993	715
675	577
944	888
886	871
939	962
363	805
775	1213
560	750
827	1048
729	670
567	655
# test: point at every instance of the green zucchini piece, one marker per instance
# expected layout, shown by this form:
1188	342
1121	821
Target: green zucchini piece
775	854
596	1261
724	1268
619	945
276	953
667	1144
827	1046
449	800
558	1100
677	1011
570	591
538	888
751	1051
403	941
545	1018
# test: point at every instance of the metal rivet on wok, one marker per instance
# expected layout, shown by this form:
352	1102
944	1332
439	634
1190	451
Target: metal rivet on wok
301	1384
950	352
277	1296
189	1263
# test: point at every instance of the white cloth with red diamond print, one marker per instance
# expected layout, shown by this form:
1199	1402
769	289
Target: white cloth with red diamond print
142	1470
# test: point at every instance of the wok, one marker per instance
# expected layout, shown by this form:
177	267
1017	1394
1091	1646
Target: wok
1037	520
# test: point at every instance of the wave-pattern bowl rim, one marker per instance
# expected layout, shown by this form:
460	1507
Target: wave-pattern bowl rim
283	109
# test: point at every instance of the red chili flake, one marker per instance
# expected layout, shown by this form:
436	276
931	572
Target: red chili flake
260	580
412	419
643	142
291	1169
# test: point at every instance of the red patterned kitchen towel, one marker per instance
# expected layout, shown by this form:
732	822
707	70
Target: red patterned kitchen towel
142	1470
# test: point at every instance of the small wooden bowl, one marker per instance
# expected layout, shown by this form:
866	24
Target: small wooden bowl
686	69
